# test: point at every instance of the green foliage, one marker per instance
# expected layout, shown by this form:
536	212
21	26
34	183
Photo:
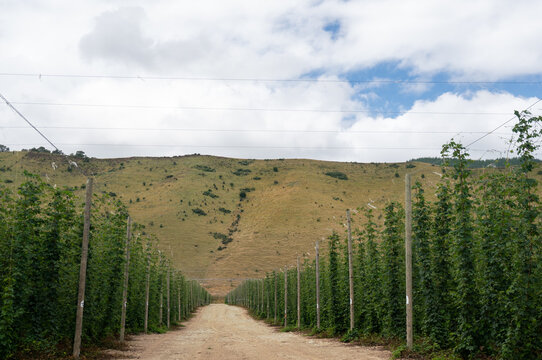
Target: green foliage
241	172
224	210
210	194
393	274
40	247
475	164
468	337
204	168
225	238
477	267
199	212
337	175
422	280
242	195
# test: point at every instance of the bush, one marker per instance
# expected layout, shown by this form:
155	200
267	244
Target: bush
210	194
204	168
225	238
337	174
241	172
199	212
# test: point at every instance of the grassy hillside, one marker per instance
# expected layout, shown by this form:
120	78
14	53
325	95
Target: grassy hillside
227	219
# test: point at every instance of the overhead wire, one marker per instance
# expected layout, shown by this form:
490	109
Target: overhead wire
501	125
27	121
40	133
254	130
209	108
244	146
254	79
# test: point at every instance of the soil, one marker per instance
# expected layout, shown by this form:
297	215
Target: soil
219	331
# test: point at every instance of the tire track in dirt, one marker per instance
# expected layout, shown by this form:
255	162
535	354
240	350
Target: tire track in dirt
219	331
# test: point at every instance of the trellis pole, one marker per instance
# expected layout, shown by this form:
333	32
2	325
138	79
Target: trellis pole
408	260
125	285
82	272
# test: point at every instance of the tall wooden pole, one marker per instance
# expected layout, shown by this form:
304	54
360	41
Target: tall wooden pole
267	298
125	285
276	282
257	296
408	260
147	289
178	301
168	297
285	296
298	295
82	272
317	286
191	296
263	295
350	271
161	313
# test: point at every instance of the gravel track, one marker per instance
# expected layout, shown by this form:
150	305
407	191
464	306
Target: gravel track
219	331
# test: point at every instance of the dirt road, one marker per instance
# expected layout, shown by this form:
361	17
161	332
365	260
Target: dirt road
226	332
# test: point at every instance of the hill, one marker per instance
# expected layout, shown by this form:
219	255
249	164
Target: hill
226	219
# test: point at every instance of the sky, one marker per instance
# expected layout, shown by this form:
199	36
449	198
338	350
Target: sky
363	81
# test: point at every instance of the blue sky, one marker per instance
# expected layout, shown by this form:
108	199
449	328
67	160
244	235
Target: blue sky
391	97
220	78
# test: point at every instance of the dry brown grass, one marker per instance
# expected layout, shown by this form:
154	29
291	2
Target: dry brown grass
284	215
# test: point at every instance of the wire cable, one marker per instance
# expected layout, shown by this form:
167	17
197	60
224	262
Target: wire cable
255	130
500	126
25	119
208	108
245	146
252	79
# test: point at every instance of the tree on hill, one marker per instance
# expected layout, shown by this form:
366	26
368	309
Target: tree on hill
3	148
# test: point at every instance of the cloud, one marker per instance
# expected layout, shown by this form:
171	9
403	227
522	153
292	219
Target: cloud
117	36
329	39
477	40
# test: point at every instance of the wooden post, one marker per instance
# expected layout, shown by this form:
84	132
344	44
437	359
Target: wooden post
82	272
350	271
285	296
161	314
263	295
317	286
275	277
298	295
191	296
259	297
408	260
125	285
267	298
147	289
168	297
178	301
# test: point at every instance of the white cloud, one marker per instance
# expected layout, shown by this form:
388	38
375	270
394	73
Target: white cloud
487	40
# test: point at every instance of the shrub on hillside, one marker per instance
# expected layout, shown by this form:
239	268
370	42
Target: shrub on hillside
337	175
204	168
241	172
199	212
